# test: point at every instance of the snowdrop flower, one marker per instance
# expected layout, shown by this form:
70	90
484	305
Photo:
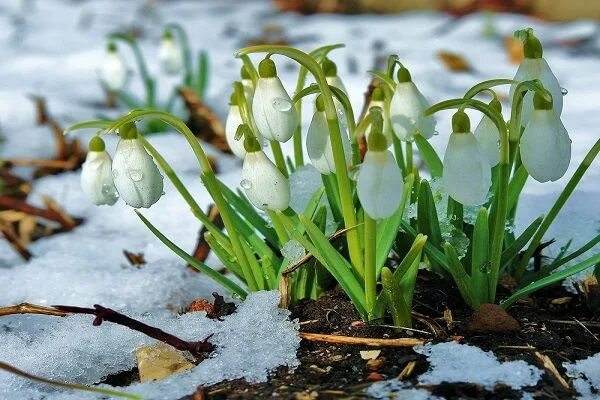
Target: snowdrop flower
170	54
234	120
488	137
545	144
266	187
112	71
330	70
272	107
467	173
318	142
406	109
96	176
248	85
135	174
379	184
378	100
534	66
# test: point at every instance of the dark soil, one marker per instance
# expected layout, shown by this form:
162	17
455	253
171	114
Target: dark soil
552	327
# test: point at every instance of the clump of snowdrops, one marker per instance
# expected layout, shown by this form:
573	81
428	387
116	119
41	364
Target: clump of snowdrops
389	222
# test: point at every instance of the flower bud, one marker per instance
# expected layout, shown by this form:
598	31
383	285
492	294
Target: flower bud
377	100
263	183
379	184
234	119
545	145
534	66
112	71
272	107
488	137
136	176
96	176
318	142
170	55
467	173
331	76
407	109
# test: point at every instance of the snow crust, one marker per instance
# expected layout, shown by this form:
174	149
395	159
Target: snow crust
586	376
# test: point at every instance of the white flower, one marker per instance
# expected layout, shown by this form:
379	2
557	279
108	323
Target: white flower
379	184
467	173
318	144
537	68
263	183
112	71
387	130
406	110
272	107
488	138
336	82
135	174
545	146
234	119
170	55
96	176
248	91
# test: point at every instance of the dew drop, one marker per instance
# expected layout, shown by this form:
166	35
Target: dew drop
109	191
115	173
246	184
281	104
564	91
135	174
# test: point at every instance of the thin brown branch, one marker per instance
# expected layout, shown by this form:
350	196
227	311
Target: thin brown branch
26	162
12	203
15	242
27	308
361	341
202	248
550	367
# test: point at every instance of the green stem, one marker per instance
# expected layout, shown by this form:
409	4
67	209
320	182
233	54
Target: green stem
409	156
370	263
187	53
278	156
279	228
399	155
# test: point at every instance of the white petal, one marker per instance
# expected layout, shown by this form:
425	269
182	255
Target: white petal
335	81
406	112
467	175
234	119
273	111
113	72
387	129
545	146
264	184
537	68
135	174
318	144
487	135
248	91
379	184
96	178
170	56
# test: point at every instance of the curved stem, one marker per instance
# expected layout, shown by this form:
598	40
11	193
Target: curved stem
343	179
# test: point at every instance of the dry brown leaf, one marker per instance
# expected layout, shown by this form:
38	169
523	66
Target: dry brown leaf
454	62
159	361
514	49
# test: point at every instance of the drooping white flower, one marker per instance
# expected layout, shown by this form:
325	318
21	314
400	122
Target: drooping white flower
234	119
379	184
467	173
272	108
534	66
112	71
407	110
96	175
488	137
377	100
266	187
318	142
170	55
136	176
545	145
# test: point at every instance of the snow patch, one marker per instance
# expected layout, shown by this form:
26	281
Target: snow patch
586	376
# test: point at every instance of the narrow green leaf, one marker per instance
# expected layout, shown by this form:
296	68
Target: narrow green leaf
408	281
560	260
513	250
480	256
427	218
429	156
391	84
229	260
515	187
462	280
398	308
430	250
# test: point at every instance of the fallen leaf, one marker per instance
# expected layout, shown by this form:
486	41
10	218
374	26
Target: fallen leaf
454	62
159	361
369	354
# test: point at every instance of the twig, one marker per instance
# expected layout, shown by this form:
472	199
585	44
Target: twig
588	323
407	370
361	341
27	308
549	365
15	242
25	162
12	203
586	329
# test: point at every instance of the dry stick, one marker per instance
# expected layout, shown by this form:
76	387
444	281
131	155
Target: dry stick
27	308
585	328
549	365
26	162
15	242
361	341
12	203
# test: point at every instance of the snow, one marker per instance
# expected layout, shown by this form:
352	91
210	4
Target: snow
52	48
398	390
293	251
586	376
454	362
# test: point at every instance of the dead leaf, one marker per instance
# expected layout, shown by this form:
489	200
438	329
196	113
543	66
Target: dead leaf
514	49
134	259
159	361
454	62
369	354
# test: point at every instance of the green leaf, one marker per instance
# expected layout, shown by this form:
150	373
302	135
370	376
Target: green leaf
229	260
549	280
391	84
427	218
200	266
430	250
408	281
462	280
393	293
515	187
202	74
429	156
560	261
485	85
480	256
513	250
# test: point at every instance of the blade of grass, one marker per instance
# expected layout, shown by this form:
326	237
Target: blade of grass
429	156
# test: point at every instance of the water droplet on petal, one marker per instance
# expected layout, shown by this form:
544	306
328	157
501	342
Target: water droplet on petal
115	173
281	104
109	191
163	193
564	91
435	133
246	184
135	174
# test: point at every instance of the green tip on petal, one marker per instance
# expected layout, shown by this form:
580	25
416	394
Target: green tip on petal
251	144
532	47
111	47
377	141
233	100
128	131
96	144
320	103
167	35
244	73
404	75
267	69
496	105
329	68
461	122
377	94
539	103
